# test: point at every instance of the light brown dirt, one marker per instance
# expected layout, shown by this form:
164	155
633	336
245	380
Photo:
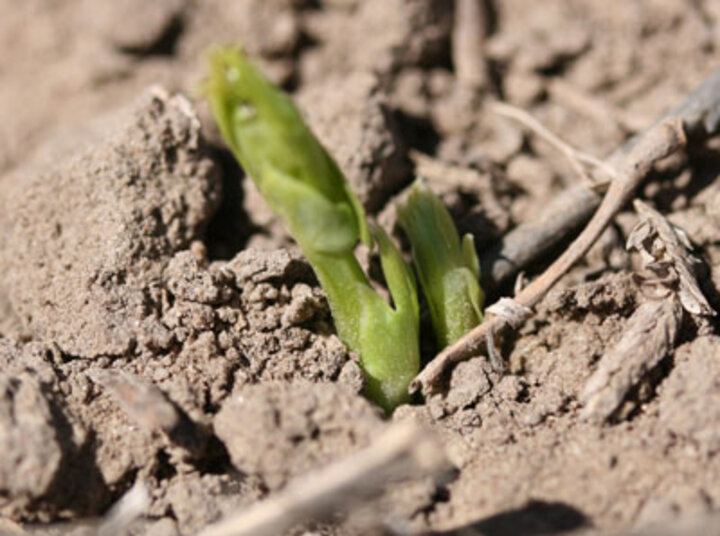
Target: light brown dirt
130	266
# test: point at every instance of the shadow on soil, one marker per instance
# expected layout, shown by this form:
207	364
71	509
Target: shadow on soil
534	519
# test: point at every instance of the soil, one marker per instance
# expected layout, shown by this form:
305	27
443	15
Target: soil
157	324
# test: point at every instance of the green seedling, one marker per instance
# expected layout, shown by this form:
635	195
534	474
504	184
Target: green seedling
448	269
305	187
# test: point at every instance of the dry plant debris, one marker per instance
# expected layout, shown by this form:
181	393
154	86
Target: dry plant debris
700	114
651	333
667	258
581	162
649	337
148	407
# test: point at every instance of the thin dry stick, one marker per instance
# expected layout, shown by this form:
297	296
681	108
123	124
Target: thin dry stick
468	40
660	142
577	159
700	114
404	450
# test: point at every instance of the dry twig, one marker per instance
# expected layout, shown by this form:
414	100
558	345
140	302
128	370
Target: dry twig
660	142
468	41
577	159
700	114
402	451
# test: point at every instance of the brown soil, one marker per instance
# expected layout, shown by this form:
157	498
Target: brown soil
157	323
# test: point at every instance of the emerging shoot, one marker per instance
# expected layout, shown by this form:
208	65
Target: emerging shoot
448	269
304	185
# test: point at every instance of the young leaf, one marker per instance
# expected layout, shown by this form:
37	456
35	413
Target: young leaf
267	134
448	269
